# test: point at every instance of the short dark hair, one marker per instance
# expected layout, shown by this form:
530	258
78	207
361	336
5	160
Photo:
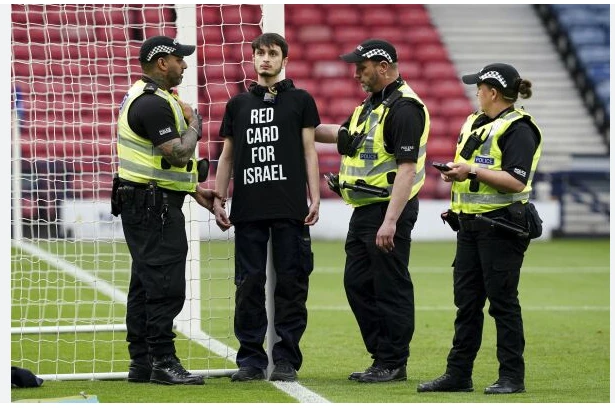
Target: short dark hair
269	39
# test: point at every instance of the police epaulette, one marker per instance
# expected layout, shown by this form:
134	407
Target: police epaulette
391	99
150	87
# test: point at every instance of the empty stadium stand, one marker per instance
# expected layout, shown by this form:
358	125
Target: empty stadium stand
67	98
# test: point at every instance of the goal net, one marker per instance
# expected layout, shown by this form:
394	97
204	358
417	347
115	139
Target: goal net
70	67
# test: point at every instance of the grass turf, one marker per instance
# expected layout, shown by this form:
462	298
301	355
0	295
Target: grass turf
564	294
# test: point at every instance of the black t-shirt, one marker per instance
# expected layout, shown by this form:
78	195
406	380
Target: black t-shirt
403	125
270	177
518	145
150	116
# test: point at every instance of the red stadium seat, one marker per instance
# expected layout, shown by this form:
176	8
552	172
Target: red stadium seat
454	125
379	16
438	127
428	191
440	146
337	88
412	17
393	34
440	70
332	69
423	34
240	14
446	89
350	36
432	103
153	15
343	15
208	14
169	31
298	69
209	35
343	107
321	52
419	86
431	52
405	51
314	33
409	69
217	92
303	14
456	107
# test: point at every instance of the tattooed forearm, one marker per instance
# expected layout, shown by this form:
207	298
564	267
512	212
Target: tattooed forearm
179	151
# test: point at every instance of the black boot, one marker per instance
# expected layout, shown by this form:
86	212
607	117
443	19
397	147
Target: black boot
139	371
168	370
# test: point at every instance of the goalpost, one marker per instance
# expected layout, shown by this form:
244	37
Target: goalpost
70	267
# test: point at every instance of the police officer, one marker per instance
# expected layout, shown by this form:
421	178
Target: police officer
383	146
269	147
496	158
157	136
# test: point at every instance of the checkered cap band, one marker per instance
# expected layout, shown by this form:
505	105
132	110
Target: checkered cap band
378	51
495	75
158	49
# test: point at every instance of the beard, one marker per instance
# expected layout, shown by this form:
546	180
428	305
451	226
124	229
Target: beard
268	74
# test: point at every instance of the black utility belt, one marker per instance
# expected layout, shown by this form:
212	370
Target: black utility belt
500	212
155	195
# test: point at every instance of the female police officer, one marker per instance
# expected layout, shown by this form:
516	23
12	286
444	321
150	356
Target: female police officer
497	155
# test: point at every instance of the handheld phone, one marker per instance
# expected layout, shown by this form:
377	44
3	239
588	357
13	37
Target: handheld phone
440	166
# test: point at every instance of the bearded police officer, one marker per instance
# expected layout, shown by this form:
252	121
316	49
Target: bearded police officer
491	175
383	144
157	137
269	147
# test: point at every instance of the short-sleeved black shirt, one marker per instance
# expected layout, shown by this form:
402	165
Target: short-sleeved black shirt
403	125
150	116
270	177
518	145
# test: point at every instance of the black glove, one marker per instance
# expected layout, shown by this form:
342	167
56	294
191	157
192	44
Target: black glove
344	142
333	182
202	167
199	128
451	218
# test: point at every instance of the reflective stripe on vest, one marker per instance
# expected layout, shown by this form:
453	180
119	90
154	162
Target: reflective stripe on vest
372	162
489	156
139	160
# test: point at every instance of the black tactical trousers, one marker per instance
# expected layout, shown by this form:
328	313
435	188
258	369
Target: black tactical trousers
378	285
487	266
293	262
155	234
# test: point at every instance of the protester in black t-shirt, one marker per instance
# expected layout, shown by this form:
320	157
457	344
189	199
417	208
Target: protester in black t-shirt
269	149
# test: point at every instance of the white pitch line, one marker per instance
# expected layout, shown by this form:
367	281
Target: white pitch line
294	390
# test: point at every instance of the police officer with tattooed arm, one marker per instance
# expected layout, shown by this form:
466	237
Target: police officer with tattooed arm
497	155
383	148
157	138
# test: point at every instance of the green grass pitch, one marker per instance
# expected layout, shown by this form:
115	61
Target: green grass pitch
565	298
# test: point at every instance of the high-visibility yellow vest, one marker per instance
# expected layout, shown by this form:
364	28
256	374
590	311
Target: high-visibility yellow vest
372	162
489	156
140	160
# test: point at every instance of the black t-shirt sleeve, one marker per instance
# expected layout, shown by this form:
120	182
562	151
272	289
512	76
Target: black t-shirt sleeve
518	146
226	127
403	128
311	118
151	117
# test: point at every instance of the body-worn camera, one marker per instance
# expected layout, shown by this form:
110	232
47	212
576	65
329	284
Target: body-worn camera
348	144
473	143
